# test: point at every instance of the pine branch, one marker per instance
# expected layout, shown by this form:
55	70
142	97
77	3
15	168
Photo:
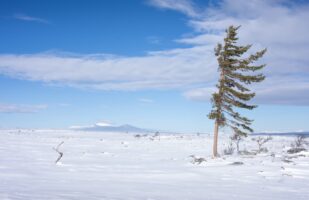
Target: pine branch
239	132
256	56
245	68
239	104
240	95
248	79
237	117
232	83
243	126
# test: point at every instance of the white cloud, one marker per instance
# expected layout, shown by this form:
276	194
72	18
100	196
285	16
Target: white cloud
201	39
28	18
284	91
185	6
15	108
276	90
265	23
279	25
200	94
158	70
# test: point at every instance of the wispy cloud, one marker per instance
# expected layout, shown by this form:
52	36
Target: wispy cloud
153	39
185	6
64	104
28	18
145	100
157	70
17	108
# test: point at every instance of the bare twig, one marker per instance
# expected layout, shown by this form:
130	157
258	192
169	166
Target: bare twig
59	152
300	141
261	141
299	144
229	150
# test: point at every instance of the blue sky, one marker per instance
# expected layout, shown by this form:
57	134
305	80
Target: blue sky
148	63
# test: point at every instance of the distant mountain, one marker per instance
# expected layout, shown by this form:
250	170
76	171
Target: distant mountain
306	133
111	128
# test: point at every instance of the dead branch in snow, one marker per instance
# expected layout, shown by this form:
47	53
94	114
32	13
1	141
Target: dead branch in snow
59	152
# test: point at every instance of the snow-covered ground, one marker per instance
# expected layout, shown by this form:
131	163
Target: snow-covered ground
120	166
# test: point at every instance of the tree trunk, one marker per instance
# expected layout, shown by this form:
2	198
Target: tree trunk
215	144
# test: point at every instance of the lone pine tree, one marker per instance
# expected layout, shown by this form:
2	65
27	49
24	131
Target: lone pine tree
235	73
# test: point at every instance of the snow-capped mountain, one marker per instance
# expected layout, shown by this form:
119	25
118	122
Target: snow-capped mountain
107	127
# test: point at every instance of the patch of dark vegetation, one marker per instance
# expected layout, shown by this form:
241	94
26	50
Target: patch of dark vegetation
237	163
247	153
296	150
287	161
197	160
298	145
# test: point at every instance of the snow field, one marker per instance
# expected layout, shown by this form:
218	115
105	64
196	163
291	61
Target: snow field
119	166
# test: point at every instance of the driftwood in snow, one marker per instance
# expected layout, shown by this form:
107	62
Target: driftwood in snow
59	152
